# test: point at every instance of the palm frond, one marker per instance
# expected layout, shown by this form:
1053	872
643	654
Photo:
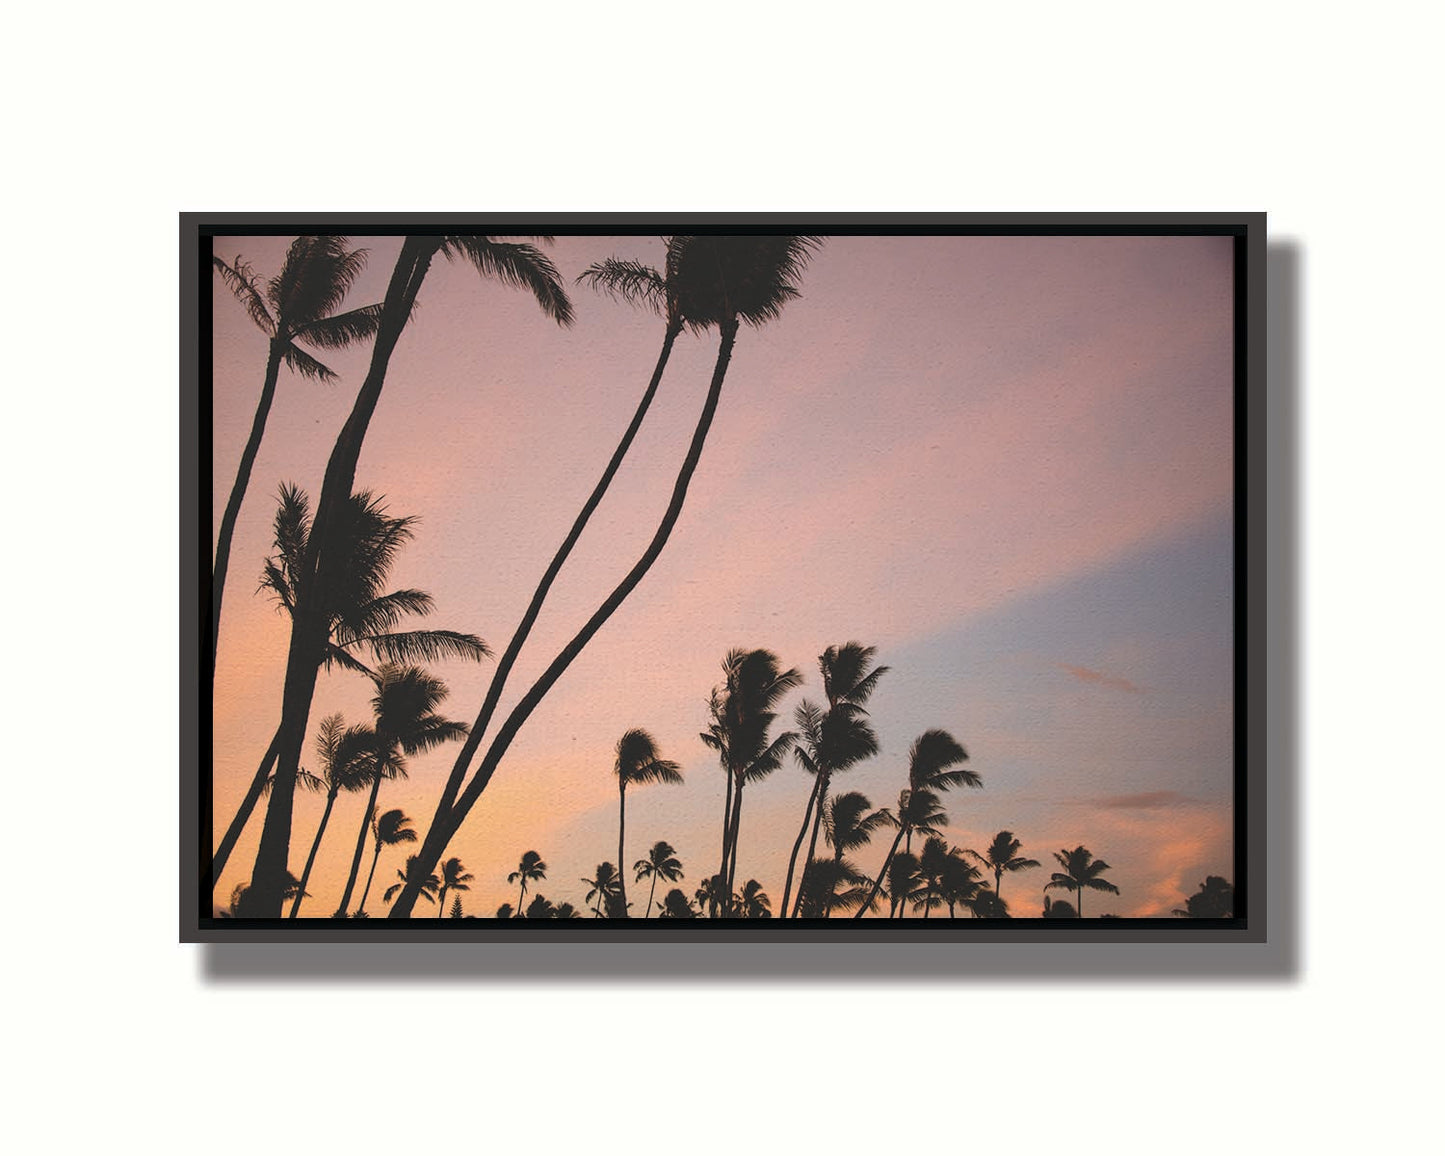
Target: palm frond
303	363
521	266
416	646
342	330
629	281
240	279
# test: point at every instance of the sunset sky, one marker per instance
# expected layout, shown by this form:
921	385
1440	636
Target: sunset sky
1005	462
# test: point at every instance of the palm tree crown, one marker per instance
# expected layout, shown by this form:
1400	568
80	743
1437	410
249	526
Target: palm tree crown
1080	870
661	863
529	870
1003	855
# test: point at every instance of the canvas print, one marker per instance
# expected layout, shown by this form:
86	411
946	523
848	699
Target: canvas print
728	577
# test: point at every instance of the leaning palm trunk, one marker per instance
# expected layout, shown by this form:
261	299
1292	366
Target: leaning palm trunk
822	793
882	874
244	812
361	848
727	836
798	846
621	829
442	832
315	845
238	492
524	628
733	840
370	875
309	625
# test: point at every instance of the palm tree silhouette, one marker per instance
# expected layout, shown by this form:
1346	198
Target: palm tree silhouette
541	908
565	911
428	884
1213	900
1080	870
661	863
505	911
347	757
405	723
836	738
529	870
712	896
517	265
848	824
1002	855
454	877
933	766
603	888
298	304
637	762
741	713
676	906
363	619
753	901
960	883
903	882
722	281
388	829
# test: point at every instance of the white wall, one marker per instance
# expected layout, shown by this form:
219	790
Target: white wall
121	117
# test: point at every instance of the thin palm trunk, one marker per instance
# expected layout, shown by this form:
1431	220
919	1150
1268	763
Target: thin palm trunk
1080	900
882	874
524	628
441	900
244	812
621	829
360	846
520	896
309	625
315	844
822	792
238	492
648	913
370	875
798	846
727	835
837	874
733	841
523	710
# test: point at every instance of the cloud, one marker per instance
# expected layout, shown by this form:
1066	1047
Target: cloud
1084	674
1145	800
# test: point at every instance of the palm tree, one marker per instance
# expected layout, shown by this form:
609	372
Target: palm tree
933	766
1003	855
238	896
363	619
849	824
1080	870
529	870
988	905
676	906
389	829
661	863
505	911
405	723
1213	900
1058	909
723	281
712	896
935	866
903	882
742	713
347	757
428	884
565	911
298	304
603	888
961	883
834	738
637	762
518	265
454	877
541	908
753	901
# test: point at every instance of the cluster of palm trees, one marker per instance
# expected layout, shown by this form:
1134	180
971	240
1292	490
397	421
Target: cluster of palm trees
329	570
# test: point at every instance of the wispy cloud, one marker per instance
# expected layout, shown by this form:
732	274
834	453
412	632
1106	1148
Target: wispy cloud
1084	674
1144	801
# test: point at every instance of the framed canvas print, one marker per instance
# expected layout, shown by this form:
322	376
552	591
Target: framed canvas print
722	576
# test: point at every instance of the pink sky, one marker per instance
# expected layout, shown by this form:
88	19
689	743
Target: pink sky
944	449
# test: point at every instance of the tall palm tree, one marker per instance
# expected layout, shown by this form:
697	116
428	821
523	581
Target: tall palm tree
637	762
849	823
298	304
454	877
1003	855
529	870
834	738
363	618
741	713
405	723
722	281
934	765
389	829
428	885
661	863
603	889
1080	871
516	264
347	757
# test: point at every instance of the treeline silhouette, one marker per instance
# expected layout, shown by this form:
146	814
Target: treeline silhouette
328	574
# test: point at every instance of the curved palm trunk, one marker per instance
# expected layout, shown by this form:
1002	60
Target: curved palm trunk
798	846
524	628
998	881
648	913
732	856
370	875
520	897
837	874
244	812
878	883
238	492
441	899
315	844
523	710
727	835
309	626
621	829
822	786
360	848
